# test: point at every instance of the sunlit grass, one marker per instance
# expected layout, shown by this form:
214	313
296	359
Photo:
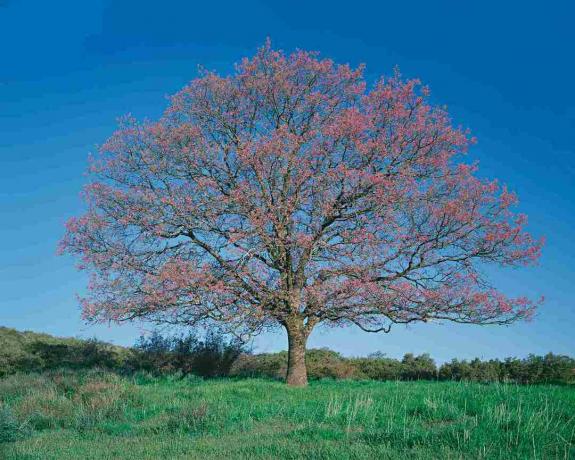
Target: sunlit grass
97	415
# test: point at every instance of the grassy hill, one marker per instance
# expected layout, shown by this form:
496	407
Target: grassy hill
31	351
57	401
95	415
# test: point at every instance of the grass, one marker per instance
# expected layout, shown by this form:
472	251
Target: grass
96	415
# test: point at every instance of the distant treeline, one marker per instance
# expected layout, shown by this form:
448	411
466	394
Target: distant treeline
324	363
217	356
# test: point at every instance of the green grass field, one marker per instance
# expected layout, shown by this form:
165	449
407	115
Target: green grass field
95	415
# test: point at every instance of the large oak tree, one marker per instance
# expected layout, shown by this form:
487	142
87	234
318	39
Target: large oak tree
292	194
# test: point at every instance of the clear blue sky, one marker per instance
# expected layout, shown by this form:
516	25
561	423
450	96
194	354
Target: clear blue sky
68	69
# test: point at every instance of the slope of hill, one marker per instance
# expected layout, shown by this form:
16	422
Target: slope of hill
32	351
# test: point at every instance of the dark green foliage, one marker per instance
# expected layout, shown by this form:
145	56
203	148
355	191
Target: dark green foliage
265	365
325	363
155	354
420	367
378	367
186	354
216	355
30	351
531	370
84	354
321	363
211	356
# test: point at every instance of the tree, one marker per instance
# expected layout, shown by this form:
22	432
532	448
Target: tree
418	367
290	194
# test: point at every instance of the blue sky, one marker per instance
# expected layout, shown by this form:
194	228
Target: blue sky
69	69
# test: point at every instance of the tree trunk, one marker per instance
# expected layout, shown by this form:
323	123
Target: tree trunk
297	372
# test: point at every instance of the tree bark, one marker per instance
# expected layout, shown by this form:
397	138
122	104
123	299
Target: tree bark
297	371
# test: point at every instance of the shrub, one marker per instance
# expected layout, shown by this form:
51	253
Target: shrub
211	357
531	370
420	367
377	367
264	365
325	363
215	355
33	352
321	363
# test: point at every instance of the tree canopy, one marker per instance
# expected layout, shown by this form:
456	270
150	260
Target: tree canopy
289	194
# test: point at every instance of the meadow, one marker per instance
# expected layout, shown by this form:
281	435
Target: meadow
94	414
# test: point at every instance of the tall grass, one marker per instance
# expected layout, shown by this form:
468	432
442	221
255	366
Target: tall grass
97	415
